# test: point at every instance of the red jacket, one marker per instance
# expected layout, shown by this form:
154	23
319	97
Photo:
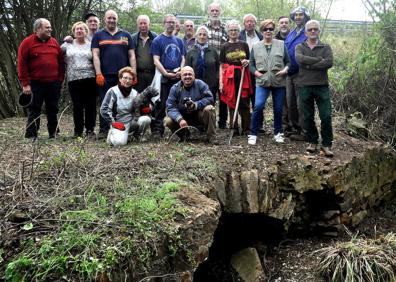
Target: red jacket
229	96
40	60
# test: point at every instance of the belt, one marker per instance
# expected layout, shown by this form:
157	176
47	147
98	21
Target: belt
147	71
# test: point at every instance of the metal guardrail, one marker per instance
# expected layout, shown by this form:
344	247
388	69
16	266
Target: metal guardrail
330	25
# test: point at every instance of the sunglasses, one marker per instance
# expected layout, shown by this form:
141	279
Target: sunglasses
127	78
312	29
268	29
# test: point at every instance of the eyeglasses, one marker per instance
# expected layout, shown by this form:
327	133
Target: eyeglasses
312	29
127	78
233	30
268	29
170	22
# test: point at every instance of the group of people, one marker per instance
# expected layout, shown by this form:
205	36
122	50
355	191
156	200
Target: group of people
178	81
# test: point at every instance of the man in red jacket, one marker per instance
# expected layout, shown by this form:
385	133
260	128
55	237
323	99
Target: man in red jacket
41	71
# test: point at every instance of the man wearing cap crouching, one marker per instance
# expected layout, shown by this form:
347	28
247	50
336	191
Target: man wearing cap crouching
41	71
190	102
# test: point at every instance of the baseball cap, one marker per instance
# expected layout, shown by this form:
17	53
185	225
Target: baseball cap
25	100
89	14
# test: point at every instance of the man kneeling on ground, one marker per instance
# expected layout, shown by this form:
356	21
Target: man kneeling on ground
190	102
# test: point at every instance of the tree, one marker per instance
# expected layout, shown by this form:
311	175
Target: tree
17	17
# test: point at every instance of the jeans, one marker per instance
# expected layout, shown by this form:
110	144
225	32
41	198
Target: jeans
48	93
321	95
83	93
262	93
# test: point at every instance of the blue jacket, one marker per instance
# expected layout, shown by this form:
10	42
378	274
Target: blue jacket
242	35
199	92
291	41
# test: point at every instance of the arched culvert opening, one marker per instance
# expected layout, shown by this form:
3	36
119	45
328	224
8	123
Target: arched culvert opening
234	233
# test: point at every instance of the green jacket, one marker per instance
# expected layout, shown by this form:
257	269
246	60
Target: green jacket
269	63
313	64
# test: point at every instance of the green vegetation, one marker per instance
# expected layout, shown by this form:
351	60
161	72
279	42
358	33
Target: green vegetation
363	78
102	214
358	260
134	221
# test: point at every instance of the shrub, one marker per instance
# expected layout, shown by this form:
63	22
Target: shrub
357	260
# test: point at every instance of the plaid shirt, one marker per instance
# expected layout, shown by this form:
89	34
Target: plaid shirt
216	36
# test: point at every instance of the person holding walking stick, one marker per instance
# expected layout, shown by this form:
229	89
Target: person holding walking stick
234	56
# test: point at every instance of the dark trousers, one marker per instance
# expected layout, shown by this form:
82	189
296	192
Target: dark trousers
244	109
111	80
48	93
321	95
144	79
295	113
83	93
223	112
160	108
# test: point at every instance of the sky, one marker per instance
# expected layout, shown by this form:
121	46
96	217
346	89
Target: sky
349	10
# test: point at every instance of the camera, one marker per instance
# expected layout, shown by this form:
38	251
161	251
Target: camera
188	103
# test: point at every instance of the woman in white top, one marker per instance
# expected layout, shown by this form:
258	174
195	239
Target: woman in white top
81	80
116	109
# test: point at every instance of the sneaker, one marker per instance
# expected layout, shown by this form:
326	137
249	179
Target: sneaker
279	138
327	152
311	148
252	139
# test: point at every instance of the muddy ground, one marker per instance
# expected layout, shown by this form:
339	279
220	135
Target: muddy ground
291	260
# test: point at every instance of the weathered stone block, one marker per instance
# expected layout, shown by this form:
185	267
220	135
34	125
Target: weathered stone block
247	263
234	193
220	191
358	217
285	209
250	186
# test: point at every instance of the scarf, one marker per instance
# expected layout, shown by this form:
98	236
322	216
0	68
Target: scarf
201	59
125	91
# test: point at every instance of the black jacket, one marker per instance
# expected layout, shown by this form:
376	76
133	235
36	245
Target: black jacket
242	35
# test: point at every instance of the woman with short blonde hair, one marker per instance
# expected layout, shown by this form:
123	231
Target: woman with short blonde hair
80	74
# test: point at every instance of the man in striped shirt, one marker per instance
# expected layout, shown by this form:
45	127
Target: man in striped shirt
217	36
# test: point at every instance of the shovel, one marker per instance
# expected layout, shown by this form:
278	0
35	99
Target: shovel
236	107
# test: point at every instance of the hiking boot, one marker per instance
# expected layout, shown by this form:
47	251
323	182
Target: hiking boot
252	139
327	152
222	126
90	135
312	148
102	135
297	137
279	138
212	140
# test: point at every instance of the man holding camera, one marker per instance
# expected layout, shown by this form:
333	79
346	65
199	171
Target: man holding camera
190	102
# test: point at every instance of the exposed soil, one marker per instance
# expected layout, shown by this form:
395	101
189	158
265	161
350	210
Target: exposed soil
30	192
292	260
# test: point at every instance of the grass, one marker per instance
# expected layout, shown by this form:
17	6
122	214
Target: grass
359	260
134	220
92	211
